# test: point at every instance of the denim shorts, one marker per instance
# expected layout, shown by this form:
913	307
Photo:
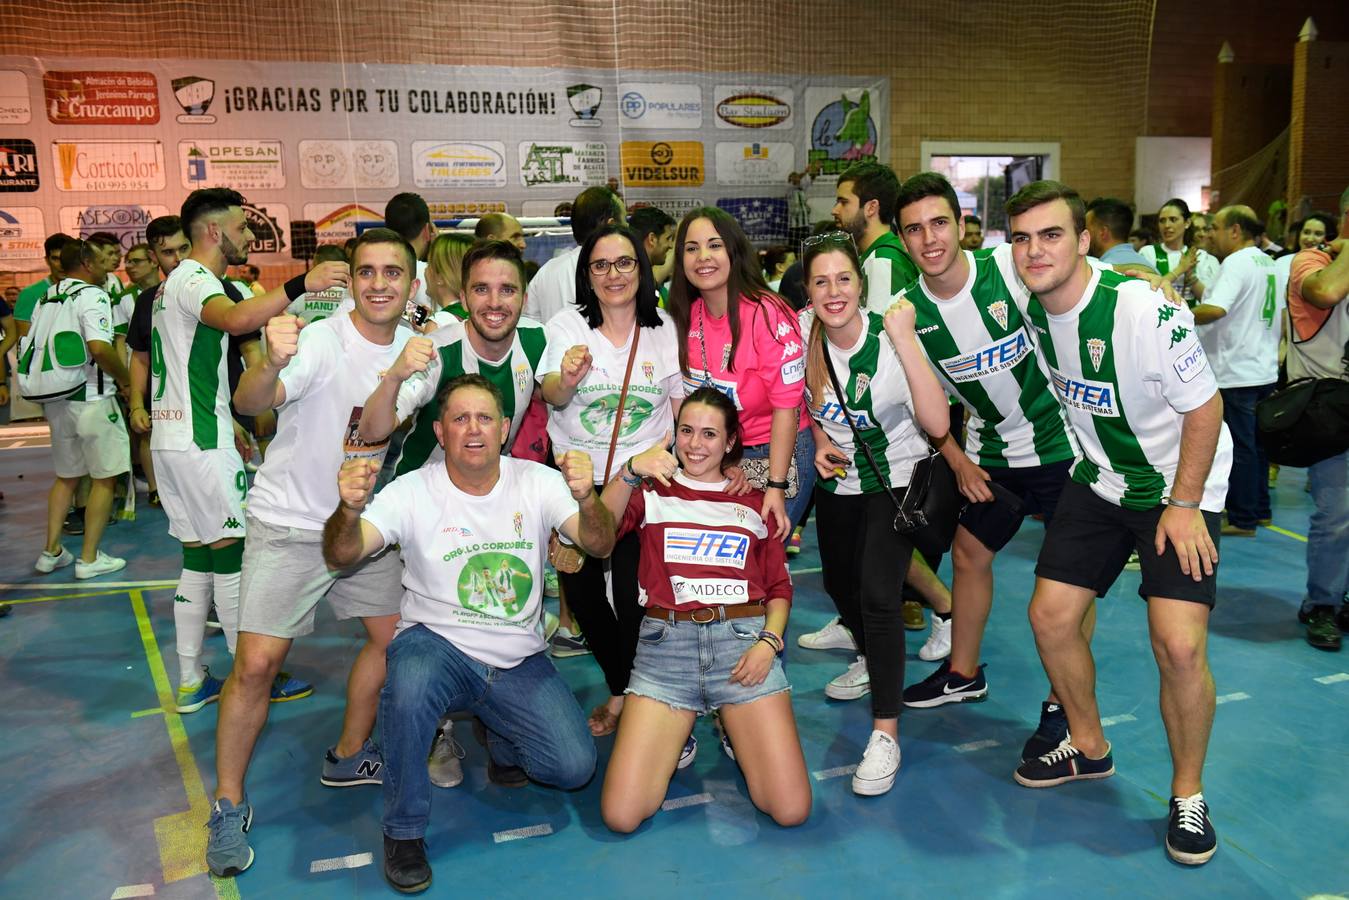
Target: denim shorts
686	665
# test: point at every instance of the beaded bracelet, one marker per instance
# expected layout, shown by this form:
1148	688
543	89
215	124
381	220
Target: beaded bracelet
774	640
627	471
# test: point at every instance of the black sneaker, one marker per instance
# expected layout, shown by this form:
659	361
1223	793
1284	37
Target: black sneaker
74	524
405	865
944	687
502	776
1342	618
1190	838
1322	631
1053	731
1063	764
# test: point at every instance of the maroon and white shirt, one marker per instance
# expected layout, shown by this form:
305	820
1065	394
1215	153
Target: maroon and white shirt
701	547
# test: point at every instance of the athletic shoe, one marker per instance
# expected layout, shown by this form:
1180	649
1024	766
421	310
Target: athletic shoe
365	766
153	499
74	524
550	586
851	684
1063	764
723	737
227	850
444	766
943	686
191	699
1322	632
103	564
1053	731
1190	838
833	636
938	645
880	763
794	543
1342	617
548	625
50	562
1230	530
688	754
405	865
285	688
913	616
1133	564
498	774
564	644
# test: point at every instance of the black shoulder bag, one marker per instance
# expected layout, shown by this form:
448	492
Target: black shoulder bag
1305	421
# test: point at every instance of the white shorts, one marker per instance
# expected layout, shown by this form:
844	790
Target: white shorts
202	492
284	578
89	437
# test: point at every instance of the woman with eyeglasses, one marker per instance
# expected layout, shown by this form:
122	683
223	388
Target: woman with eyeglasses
741	338
892	398
712	632
1190	269
612	381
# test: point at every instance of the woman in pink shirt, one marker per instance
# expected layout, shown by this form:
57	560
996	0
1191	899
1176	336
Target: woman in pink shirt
741	338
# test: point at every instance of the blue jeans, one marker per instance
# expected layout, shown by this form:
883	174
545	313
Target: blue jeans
532	720
1248	485
804	453
1328	534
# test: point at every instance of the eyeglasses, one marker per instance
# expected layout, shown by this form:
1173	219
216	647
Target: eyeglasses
624	265
839	238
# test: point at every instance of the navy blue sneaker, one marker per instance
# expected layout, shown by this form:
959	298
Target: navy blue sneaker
191	699
1063	764
1053	731
227	850
688	754
944	686
1190	838
285	688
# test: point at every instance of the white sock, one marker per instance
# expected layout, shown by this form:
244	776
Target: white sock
191	602
227	606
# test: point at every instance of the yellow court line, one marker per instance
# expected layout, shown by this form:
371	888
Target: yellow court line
142	713
1286	533
75	596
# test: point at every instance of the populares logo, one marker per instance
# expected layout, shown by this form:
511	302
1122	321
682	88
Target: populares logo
753	109
194	96
18	165
585	100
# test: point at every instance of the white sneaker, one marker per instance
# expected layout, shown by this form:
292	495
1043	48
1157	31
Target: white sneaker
444	766
102	565
880	763
550	588
938	644
548	625
851	684
48	563
833	636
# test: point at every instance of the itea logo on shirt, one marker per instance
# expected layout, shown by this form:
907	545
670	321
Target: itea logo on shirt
704	547
996	356
709	590
1095	397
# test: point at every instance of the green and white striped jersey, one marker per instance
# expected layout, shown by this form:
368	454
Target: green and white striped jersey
1126	366
979	345
879	402
513	376
887	269
191	405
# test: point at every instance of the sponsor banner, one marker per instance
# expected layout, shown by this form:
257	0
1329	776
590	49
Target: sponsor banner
15	108
18	165
708	547
572	163
127	221
335	223
270	224
461	209
349	163
109	165
661	163
22	232
1095	397
846	126
194	96
458	164
101	98
764	219
755	162
663	106
242	165
542	208
677	207
746	106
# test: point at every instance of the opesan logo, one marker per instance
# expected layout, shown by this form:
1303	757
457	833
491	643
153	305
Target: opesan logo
1095	397
706	547
991	358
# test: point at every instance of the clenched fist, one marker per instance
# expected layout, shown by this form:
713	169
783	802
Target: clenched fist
356	482
575	366
283	339
415	357
579	471
326	275
901	315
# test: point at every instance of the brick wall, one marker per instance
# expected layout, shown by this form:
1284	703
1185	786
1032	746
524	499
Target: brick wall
1319	134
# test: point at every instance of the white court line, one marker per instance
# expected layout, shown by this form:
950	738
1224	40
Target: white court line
91	584
836	772
354	861
975	745
681	802
516	834
1333	679
1232	698
1115	720
133	890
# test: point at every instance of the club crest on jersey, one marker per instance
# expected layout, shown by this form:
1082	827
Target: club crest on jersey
741	513
649	370
518	522
706	547
860	387
998	310
521	377
1096	350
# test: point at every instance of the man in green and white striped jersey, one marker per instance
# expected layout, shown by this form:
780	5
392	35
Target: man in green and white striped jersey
864	206
970	324
1138	392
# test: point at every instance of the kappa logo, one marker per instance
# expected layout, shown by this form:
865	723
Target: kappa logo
928	329
860	386
1178	334
1164	314
231	522
179	598
1096	350
790	349
783	329
998	310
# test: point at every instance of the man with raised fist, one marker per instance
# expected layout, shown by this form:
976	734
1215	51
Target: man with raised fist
316	378
462	645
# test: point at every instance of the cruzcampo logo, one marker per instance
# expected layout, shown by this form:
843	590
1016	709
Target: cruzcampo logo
495	584
598	417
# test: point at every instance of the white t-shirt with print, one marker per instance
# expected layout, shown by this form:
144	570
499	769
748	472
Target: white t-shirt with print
459	548
327	382
553	287
587	422
1243	346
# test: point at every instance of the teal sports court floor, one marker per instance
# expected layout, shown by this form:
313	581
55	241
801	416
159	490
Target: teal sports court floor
105	792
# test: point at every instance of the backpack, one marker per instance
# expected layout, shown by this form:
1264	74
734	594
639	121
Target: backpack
53	356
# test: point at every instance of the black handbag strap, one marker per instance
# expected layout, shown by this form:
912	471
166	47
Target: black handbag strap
856	435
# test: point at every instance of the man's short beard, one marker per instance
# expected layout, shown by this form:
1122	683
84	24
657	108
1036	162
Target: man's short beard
857	227
233	255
